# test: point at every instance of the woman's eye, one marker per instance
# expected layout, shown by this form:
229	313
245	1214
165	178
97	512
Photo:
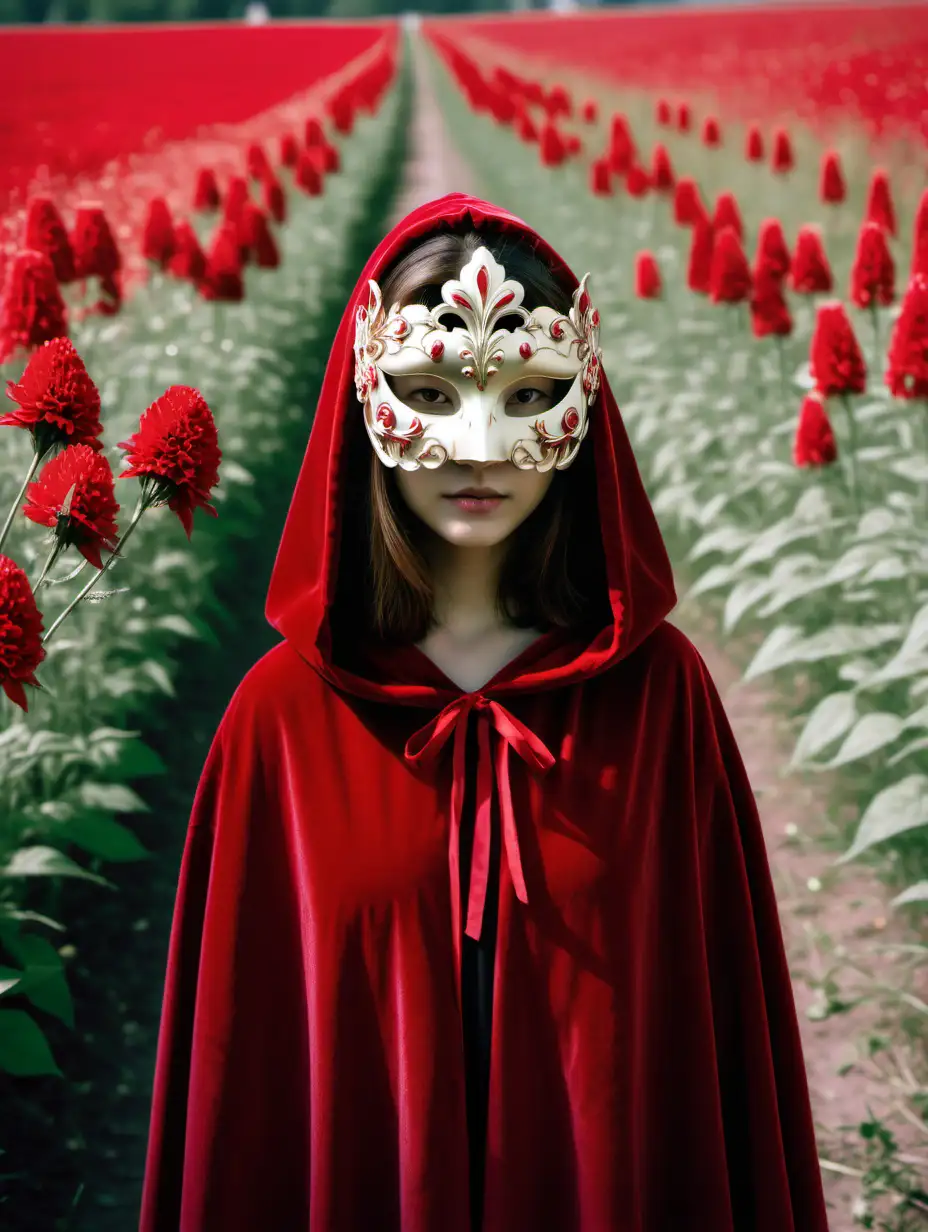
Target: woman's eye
526	397
432	397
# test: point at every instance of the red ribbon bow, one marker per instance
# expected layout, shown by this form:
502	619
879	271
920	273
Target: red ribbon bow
423	749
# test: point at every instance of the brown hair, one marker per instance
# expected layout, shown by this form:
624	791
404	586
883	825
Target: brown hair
545	581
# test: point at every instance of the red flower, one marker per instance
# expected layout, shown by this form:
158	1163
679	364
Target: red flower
176	454
810	271
46	232
920	237
313	133
772	255
836	359
206	193
572	144
783	159
880	207
637	182
647	276
342	112
729	274
727	214
699	265
600	178
684	118
331	159
307	175
235	199
770	313
57	401
814	443
622	151
754	145
873	274
711	133
553	151
188	259
687	204
21	649
95	251
289	150
158	233
257	235
907	361
662	112
662	176
275	202
559	102
832	188
222	280
256	160
32	310
81	479
525	127
589	111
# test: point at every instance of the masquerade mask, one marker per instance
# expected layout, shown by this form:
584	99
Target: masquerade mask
480	365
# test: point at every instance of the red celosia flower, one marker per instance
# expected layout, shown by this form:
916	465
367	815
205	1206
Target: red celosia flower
525	127
236	197
342	113
256	160
257	235
835	356
600	178
206	193
275	202
188	259
307	175
158	233
559	102
32	310
907	361
57	401
770	315
222	280
95	251
622	151
572	145
331	159
727	214
553	151
46	232
662	176
832	188
783	159
313	133
810	271
684	118
637	181
920	238
814	443
647	276
729	273
82	480
289	150
590	111
687	204
880	207
873	274
21	649
711	133
662	112
754	145
772	254
176	454
699	265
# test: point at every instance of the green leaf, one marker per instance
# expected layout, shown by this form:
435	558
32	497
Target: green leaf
742	598
103	837
156	671
111	797
9	979
24	1050
901	807
872	732
831	718
712	579
176	623
917	893
46	862
720	539
785	645
43	980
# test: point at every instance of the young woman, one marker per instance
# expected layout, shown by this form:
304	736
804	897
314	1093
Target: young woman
475	927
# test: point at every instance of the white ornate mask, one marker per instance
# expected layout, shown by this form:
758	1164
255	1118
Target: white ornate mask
483	361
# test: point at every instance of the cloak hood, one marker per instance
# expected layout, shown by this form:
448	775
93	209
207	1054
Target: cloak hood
635	565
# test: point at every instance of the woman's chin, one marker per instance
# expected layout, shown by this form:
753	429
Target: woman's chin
484	531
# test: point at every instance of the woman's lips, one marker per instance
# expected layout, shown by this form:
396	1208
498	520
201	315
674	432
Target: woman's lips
476	501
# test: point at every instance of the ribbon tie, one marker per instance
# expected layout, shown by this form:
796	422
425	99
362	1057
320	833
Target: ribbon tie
423	749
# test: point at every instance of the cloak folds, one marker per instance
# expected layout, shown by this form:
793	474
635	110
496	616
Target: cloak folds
644	1072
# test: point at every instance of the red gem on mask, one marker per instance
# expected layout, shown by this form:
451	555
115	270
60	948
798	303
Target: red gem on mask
557	330
437	351
483	281
584	303
385	416
463	301
372	376
595	316
505	299
571	419
401	327
525	350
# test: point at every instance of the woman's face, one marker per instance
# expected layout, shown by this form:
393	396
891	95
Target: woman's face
473	503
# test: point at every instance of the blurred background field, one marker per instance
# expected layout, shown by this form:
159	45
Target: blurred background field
783	440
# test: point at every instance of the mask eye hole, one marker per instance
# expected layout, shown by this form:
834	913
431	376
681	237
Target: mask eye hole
451	320
533	398
510	322
424	393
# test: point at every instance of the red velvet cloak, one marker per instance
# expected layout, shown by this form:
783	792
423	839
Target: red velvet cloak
646	1071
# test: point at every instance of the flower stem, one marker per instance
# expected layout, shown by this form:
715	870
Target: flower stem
41	579
33	467
781	358
875	322
852	452
82	594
